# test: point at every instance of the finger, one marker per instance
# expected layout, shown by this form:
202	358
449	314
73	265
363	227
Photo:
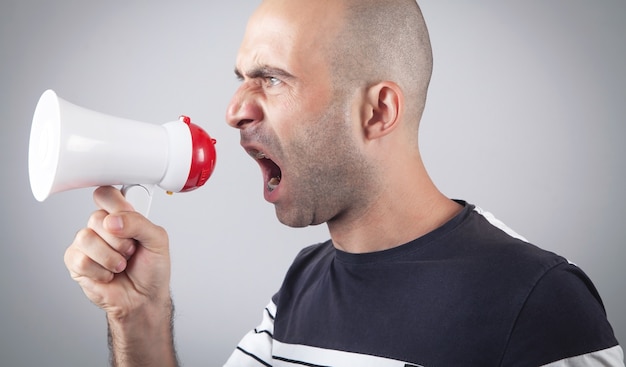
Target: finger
125	246
82	263
111	200
124	222
136	226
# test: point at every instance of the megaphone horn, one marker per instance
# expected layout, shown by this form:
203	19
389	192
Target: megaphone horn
73	147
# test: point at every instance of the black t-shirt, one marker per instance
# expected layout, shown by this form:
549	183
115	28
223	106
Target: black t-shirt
470	293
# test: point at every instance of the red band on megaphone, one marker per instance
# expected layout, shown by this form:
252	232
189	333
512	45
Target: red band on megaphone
202	156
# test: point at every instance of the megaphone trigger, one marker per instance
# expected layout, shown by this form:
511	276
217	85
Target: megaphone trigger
139	196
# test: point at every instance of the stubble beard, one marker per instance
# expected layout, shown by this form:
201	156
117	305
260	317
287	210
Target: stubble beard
330	179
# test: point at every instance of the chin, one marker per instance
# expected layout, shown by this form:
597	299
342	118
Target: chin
293	219
293	223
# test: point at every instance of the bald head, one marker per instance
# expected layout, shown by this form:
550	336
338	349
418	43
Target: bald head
384	40
359	42
333	91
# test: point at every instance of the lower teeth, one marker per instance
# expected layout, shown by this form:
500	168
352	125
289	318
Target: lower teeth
273	183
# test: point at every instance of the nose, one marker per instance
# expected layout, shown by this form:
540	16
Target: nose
244	109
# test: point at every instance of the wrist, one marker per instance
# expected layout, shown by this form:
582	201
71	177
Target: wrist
143	336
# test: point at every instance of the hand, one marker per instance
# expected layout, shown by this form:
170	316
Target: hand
121	260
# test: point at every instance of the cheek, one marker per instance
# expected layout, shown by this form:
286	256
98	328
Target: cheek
310	125
325	139
285	114
304	131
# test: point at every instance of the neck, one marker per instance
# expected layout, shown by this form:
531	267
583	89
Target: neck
405	209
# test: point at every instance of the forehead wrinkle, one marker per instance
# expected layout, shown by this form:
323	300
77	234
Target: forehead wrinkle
263	52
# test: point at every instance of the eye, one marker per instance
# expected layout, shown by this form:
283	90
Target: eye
272	81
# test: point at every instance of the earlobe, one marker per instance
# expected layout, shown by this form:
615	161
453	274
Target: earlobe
384	103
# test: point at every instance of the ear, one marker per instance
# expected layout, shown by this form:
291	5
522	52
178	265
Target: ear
382	109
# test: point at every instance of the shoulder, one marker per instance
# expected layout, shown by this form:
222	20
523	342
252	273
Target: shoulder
487	247
562	317
308	264
312	255
557	312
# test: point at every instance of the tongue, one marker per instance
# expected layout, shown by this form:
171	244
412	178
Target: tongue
273	183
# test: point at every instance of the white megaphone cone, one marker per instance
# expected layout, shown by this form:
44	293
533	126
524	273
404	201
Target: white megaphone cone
72	147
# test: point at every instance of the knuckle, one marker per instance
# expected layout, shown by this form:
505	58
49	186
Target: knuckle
82	264
88	250
160	231
127	247
68	257
111	261
83	236
104	276
96	218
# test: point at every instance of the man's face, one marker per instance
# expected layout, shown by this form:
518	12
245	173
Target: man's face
291	121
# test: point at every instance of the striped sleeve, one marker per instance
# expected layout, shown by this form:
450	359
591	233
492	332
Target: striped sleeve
255	349
499	224
611	357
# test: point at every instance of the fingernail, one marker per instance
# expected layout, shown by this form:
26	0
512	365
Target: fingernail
120	266
130	252
115	222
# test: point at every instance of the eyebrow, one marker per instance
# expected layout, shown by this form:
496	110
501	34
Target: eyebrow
263	71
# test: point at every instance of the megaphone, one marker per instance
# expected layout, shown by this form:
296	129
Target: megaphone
73	147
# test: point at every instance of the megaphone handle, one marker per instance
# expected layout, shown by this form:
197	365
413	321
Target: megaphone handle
139	196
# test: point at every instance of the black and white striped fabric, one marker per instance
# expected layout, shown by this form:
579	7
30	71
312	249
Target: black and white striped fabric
470	293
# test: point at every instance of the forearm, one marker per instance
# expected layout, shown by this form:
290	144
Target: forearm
144	338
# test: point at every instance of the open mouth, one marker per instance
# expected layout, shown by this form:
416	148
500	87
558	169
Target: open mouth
271	172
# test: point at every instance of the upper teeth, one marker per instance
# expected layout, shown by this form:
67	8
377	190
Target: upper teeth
257	155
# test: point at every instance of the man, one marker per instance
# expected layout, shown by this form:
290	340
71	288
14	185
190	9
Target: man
329	105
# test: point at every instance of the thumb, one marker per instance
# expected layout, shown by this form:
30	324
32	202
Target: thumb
133	225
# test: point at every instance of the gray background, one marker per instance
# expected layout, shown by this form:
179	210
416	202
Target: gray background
525	119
